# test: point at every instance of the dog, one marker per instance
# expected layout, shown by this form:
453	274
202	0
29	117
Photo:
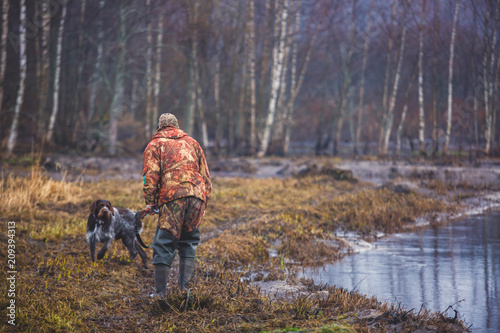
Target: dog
106	223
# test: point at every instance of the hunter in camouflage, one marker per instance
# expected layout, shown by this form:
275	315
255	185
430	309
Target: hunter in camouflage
177	181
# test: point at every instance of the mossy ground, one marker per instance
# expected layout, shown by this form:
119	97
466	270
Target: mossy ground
60	289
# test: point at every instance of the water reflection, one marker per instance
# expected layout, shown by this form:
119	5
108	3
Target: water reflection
457	264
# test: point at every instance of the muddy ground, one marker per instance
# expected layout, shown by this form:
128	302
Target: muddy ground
476	188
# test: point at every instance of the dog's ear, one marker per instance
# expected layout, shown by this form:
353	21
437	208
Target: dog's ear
111	208
93	206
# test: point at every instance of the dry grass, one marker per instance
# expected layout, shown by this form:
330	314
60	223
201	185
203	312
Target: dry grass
20	196
60	290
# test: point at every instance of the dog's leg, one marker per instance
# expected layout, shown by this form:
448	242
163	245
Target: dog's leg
129	243
142	253
105	247
91	241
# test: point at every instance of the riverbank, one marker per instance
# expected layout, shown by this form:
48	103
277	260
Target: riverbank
259	230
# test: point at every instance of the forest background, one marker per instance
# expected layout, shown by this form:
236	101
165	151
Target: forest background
252	77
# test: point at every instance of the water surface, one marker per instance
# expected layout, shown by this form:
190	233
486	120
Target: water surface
457	264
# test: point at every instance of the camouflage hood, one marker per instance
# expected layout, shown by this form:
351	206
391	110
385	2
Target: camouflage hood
169	132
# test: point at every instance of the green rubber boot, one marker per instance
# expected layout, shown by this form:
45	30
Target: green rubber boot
161	274
186	266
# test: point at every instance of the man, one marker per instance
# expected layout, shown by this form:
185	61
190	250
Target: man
177	181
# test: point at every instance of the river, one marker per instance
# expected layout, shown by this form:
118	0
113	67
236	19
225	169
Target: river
457	264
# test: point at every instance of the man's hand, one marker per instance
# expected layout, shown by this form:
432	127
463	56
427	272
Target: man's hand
149	210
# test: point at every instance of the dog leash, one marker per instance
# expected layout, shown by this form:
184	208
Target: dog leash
139	216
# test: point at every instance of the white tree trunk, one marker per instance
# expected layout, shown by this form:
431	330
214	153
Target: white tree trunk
201	110
421	122
281	111
388	60
392	99
157	74
361	104
450	79
241	103
191	107
251	69
196	78
291	105
118	102
400	129
114	112
3	50
489	84
435	147
387	78
149	72
403	115
347	80
496	106
44	77
57	75
22	77
218	114
97	65
275	78
78	96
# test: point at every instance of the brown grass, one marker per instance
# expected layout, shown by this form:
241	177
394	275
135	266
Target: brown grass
20	196
60	289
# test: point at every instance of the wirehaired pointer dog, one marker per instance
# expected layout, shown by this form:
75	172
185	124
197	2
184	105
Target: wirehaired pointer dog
106	223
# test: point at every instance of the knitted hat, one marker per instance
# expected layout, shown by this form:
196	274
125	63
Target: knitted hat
167	119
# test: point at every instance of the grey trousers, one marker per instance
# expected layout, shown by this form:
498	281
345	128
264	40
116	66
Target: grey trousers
166	246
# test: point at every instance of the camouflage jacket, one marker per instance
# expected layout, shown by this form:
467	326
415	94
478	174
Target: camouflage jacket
174	167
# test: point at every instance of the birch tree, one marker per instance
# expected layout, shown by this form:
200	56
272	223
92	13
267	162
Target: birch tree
80	54
361	102
389	117
239	126
157	73
266	60
216	74
251	70
298	80
279	123
44	63
388	59
347	82
194	54
421	122
196	79
450	79
495	93
289	109
3	47
434	80
494	82
97	64
403	114
387	74
488	75
57	75
149	72
218	113
22	77
118	102
278	58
